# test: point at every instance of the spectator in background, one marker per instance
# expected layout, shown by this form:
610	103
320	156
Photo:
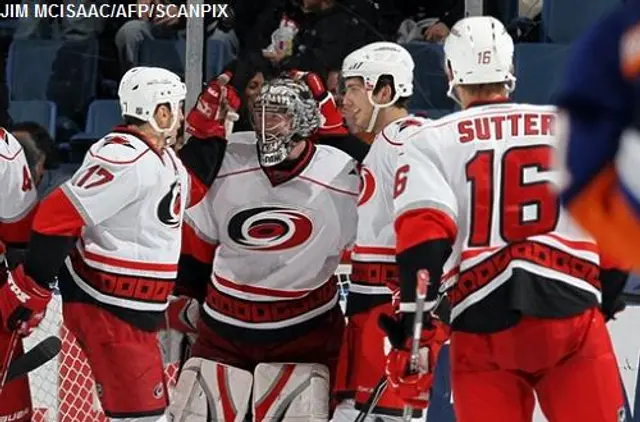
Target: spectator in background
323	34
133	33
428	20
65	28
41	156
247	74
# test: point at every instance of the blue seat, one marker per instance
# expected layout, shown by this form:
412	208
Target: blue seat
77	60
218	56
168	54
538	71
429	79
29	82
102	116
42	112
565	20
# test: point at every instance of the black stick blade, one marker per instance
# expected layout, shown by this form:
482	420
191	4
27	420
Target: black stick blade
40	354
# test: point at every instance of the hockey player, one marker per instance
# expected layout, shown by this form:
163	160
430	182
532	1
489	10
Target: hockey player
17	208
273	224
473	204
600	151
378	84
125	205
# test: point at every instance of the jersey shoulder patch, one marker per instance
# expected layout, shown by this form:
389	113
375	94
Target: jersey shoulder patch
395	133
119	149
333	168
10	147
241	154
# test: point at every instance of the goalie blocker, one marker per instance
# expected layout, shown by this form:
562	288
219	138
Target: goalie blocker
209	390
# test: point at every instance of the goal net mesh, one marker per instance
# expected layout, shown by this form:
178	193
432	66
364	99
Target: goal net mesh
63	390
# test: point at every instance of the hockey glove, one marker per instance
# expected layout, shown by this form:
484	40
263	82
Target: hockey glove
22	302
217	105
332	123
182	314
612	281
414	388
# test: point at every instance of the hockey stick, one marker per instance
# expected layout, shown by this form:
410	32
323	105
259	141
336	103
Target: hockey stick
37	356
40	354
422	282
7	359
373	399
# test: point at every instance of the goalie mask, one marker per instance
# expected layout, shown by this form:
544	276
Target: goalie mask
284	113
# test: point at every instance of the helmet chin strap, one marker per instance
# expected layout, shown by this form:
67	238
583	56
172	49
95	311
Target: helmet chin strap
452	94
377	107
166	133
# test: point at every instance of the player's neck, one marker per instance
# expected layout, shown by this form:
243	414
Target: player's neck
387	116
158	142
467	100
296	151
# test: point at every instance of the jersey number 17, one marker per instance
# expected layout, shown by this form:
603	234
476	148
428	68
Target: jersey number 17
512	197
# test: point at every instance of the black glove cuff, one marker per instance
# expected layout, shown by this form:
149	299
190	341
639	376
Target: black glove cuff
429	256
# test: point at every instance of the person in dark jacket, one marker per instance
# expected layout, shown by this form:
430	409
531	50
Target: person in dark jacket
325	33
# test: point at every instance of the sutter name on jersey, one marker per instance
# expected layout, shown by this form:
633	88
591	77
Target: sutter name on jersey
489	128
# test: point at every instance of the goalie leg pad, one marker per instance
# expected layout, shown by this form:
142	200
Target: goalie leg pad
290	392
210	391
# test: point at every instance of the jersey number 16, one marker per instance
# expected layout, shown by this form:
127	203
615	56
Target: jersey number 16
511	196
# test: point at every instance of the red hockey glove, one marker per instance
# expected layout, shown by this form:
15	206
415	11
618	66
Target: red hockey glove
331	120
208	117
22	302
182	314
413	389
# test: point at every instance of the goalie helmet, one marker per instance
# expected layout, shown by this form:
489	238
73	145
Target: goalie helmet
284	113
143	89
479	50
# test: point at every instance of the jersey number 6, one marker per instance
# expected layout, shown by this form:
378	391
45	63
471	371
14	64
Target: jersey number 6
526	206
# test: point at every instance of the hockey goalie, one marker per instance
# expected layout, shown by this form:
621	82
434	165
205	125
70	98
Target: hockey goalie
265	243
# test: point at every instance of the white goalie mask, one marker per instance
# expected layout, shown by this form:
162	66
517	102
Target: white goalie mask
479	50
143	89
284	113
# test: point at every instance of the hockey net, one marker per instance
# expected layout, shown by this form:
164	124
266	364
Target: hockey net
63	390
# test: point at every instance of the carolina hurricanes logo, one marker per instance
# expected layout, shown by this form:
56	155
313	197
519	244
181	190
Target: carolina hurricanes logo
270	228
170	206
367	186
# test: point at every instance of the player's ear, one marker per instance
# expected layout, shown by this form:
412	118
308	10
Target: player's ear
163	115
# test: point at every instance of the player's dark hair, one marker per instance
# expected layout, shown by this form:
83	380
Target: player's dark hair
485	90
387	80
134	121
42	140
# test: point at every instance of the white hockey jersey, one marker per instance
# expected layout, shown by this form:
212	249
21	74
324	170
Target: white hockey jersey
131	199
374	252
278	246
19	195
488	169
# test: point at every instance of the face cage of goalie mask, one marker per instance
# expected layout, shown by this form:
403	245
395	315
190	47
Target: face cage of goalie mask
274	148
